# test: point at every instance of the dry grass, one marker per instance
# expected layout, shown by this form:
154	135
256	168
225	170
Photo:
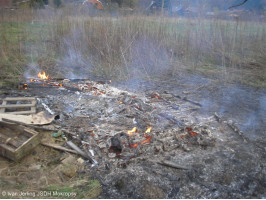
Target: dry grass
69	42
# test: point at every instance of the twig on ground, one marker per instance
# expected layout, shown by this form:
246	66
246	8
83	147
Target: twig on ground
172	164
188	100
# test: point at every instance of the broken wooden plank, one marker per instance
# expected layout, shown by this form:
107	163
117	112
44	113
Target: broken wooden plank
38	127
28	125
22	112
2	110
40	118
17	105
59	148
19	98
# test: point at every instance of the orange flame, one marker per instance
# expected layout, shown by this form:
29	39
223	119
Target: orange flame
148	129
131	132
43	75
25	86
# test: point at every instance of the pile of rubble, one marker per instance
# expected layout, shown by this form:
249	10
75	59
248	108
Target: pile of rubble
120	133
117	124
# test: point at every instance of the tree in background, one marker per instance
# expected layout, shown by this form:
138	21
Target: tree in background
36	4
123	3
57	3
130	3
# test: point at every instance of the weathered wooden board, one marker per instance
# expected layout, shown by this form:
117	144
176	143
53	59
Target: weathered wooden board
29	108
40	118
17	141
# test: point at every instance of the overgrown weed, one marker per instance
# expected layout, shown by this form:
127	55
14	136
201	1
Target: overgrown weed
76	44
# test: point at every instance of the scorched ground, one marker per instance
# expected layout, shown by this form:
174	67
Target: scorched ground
162	139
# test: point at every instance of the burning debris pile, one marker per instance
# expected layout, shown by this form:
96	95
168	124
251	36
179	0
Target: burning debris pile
125	125
122	132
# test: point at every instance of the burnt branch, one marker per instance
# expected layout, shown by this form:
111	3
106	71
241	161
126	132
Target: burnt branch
238	4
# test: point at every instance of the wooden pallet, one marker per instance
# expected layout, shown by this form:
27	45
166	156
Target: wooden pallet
18	109
17	141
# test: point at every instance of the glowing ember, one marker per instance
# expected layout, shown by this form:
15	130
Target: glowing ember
131	132
43	75
147	140
193	133
142	142
148	129
189	130
134	145
155	95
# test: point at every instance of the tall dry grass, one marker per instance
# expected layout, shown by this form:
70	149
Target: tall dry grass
69	42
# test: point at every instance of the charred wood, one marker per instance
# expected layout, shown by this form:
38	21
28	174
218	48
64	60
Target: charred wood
172	119
172	164
188	100
233	126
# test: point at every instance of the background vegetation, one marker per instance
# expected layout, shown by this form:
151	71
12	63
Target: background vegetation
76	42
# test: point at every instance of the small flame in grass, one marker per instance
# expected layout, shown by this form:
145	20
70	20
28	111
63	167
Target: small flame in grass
148	129
131	132
43	75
